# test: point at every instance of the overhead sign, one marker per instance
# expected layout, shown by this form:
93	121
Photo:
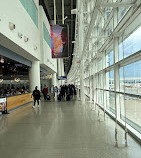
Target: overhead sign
62	77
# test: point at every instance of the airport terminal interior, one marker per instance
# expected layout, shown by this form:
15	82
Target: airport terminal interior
70	78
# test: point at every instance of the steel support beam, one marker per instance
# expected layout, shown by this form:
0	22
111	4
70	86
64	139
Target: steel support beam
48	8
116	4
92	23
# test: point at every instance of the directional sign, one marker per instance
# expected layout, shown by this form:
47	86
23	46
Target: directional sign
62	77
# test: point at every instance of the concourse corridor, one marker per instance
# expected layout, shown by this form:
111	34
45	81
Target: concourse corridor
61	130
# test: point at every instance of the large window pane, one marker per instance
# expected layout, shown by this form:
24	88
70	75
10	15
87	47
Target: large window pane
100	97
47	36
122	10
131	45
110	80
23	3
108	11
110	101
109	59
133	111
100	64
109	56
100	81
32	10
130	79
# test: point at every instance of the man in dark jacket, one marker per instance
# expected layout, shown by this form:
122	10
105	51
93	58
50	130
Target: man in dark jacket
45	92
36	96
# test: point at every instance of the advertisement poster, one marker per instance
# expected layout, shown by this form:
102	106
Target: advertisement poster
3	105
59	41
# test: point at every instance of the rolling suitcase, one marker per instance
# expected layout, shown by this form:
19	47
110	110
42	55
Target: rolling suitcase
48	97
59	97
68	97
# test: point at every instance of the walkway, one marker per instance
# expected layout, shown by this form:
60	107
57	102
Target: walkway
60	130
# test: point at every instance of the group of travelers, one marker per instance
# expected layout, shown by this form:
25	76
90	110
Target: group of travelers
65	92
52	91
12	91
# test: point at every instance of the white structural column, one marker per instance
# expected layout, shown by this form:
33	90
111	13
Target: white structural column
54	79
116	74
58	61
80	52
62	67
59	67
34	75
91	83
89	57
82	82
116	59
61	60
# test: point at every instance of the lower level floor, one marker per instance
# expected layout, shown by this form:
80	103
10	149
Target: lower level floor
62	130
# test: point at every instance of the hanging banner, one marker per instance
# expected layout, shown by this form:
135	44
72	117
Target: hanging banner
59	41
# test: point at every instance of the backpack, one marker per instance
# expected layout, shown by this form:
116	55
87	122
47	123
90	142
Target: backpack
36	93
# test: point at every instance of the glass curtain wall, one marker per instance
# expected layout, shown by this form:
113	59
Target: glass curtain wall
115	60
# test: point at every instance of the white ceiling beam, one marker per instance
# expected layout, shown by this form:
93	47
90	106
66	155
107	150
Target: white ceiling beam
116	4
99	37
74	11
73	41
91	26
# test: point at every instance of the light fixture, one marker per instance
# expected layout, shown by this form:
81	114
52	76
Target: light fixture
1	80
11	26
35	47
65	17
17	79
20	35
73	41
75	55
74	11
25	38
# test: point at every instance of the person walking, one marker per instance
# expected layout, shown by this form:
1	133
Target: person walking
45	92
36	95
52	91
56	89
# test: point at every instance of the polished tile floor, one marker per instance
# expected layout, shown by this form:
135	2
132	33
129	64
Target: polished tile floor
61	130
